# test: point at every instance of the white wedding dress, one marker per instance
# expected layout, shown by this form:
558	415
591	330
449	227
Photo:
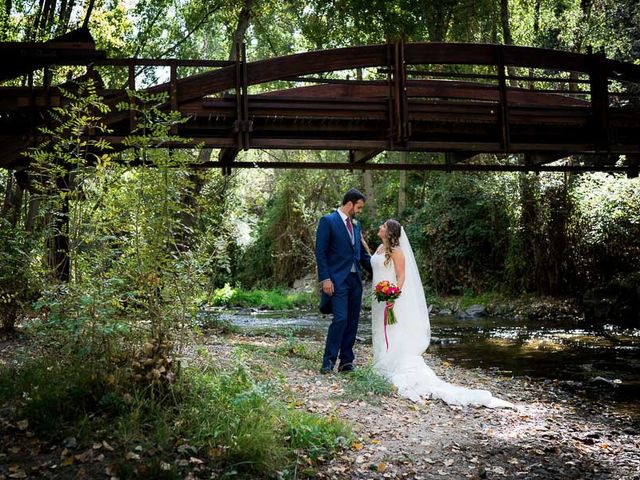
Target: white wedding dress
402	363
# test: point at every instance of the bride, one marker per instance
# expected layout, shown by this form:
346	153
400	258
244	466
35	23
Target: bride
401	362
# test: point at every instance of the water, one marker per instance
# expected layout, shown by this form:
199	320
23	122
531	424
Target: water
602	364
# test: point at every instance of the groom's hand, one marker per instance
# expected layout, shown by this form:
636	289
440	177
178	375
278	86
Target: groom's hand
327	287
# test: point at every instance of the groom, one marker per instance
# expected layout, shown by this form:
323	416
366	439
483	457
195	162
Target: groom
339	254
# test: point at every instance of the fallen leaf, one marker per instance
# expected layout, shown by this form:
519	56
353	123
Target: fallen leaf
85	456
107	446
381	467
132	456
23	424
356	446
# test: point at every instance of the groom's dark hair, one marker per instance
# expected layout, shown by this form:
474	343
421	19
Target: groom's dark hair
353	196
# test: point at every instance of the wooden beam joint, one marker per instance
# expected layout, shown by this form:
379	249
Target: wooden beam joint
362	156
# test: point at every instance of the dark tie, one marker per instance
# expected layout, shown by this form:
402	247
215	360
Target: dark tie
349	226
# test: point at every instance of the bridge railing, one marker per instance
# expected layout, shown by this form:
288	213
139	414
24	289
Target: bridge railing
408	77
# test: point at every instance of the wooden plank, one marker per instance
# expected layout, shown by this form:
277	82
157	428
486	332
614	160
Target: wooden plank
532	57
540	158
362	156
449	53
451	158
419	167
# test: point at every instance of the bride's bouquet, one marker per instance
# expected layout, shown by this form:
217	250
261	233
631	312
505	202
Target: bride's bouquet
387	292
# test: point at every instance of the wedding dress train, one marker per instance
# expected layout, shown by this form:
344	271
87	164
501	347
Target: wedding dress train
401	362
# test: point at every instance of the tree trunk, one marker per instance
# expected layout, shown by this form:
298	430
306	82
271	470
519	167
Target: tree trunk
12	200
529	253
536	31
58	242
370	193
190	209
506	34
241	28
8	194
32	214
65	16
402	188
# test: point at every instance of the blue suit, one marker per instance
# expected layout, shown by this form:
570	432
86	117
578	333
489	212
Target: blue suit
336	256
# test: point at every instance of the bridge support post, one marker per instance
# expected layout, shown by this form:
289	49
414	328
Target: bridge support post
504	100
399	126
242	126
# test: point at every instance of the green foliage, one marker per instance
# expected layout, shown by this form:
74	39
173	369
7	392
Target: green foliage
246	426
233	421
284	243
19	281
605	228
484	298
214	322
56	389
267	299
460	231
294	347
365	382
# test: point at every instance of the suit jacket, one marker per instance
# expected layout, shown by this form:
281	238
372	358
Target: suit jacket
335	254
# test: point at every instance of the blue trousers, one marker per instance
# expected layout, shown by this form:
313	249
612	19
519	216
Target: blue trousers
341	336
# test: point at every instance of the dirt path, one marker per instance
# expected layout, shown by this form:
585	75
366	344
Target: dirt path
550	435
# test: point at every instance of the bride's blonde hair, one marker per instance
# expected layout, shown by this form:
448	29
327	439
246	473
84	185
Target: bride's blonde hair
394	230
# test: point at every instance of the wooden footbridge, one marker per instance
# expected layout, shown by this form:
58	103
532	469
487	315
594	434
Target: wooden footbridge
528	106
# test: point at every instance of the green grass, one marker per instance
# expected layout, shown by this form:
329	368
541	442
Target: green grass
365	383
50	392
264	299
215	323
295	348
238	424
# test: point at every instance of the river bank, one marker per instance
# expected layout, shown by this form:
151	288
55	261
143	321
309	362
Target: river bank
569	311
551	435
